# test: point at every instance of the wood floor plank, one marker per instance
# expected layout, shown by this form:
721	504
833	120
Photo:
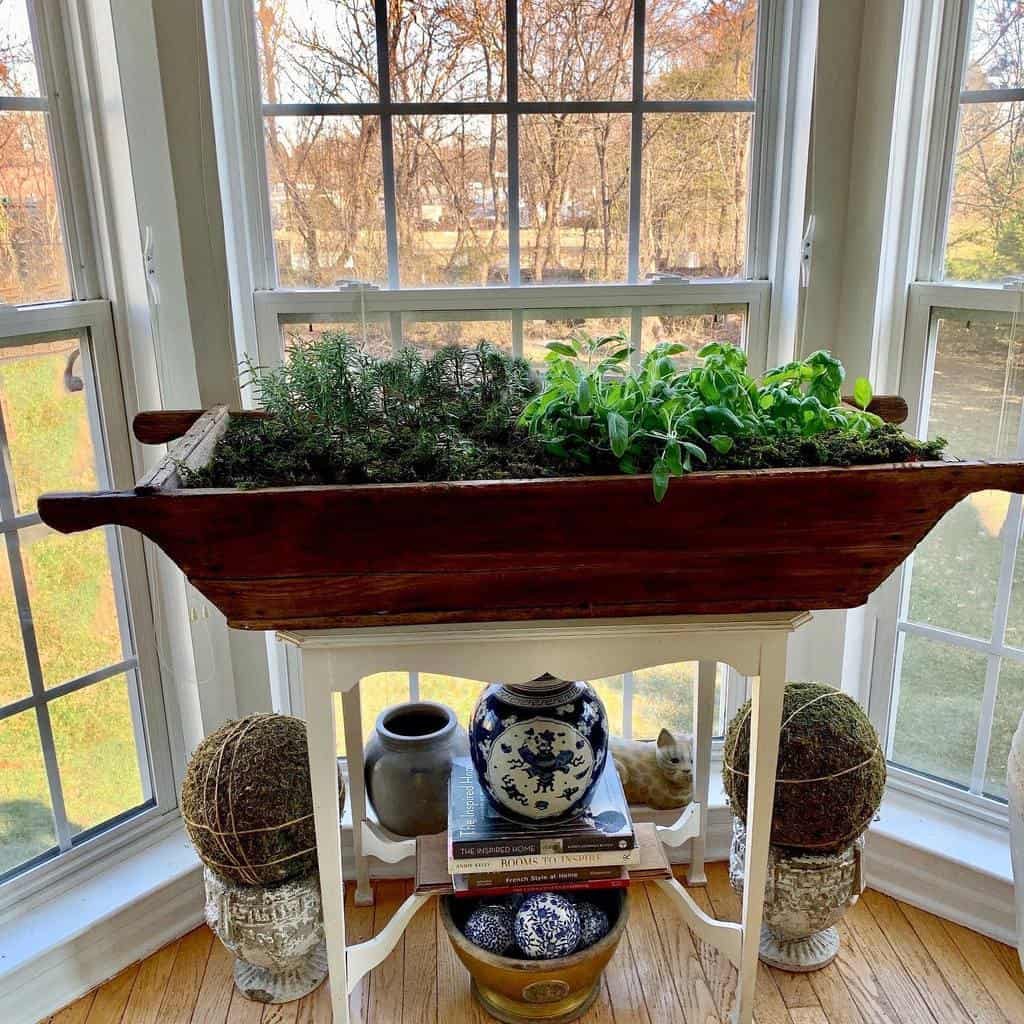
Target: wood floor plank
420	975
386	995
76	1013
623	984
112	997
150	985
834	997
316	1007
242	1010
691	985
991	973
455	1001
719	971
854	968
218	984
280	1013
653	968
916	958
1010	959
797	991
808	1015
182	989
358	928
769	1006
955	969
903	993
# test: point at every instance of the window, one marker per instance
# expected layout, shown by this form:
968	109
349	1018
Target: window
948	679
431	143
83	739
421	173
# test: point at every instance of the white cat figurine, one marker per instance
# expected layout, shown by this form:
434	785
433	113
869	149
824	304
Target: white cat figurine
657	773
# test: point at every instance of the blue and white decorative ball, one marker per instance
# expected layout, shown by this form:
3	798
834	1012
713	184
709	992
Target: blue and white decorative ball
490	927
593	923
547	926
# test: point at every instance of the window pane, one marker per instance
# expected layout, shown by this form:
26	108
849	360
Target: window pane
317	51
46	420
976	404
940	691
18	76
326	199
986	219
459	694
451	193
997	46
71	594
95	742
694	193
33	265
376	340
575	50
665	698
700	50
1009	708
537	333
574	196
444	51
14	681
430	335
610	690
377	692
26	817
693	331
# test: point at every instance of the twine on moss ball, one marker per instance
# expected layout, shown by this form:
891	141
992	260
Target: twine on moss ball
831	817
243	849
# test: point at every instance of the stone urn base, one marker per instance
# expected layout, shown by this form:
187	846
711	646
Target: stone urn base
805	896
276	933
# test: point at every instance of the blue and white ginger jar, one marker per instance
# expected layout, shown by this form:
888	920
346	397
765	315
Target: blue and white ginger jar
539	748
547	926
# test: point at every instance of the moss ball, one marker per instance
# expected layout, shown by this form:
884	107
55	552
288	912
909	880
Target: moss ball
248	803
831	772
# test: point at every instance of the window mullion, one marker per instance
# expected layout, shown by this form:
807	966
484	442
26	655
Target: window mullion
512	147
636	143
387	147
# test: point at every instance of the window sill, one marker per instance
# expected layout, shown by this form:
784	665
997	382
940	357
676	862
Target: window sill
56	951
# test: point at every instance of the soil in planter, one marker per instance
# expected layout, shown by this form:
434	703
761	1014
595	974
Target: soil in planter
342	416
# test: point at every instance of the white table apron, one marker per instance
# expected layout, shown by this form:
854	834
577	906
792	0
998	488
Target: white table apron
334	661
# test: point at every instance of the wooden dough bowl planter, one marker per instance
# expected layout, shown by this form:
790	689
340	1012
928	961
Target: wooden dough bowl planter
733	542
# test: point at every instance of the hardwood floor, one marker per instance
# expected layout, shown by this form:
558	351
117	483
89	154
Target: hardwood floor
898	965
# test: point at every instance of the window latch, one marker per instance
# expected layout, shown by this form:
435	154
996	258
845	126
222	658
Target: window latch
665	277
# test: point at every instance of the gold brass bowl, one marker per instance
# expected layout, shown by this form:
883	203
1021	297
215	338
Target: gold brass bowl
523	991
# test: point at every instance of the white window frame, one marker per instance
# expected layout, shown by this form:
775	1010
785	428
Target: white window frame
89	318
941	35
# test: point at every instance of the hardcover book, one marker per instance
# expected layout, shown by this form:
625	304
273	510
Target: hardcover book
477	831
501	883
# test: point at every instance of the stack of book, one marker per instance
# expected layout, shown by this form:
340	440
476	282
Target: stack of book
489	854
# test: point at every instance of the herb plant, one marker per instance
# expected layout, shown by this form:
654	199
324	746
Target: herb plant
340	415
667	421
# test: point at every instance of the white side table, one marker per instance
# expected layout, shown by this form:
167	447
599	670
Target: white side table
334	661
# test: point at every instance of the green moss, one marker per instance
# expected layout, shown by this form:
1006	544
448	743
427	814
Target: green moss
248	803
825	733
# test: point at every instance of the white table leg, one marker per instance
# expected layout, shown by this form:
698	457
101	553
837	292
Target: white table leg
323	768
706	673
765	721
352	715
